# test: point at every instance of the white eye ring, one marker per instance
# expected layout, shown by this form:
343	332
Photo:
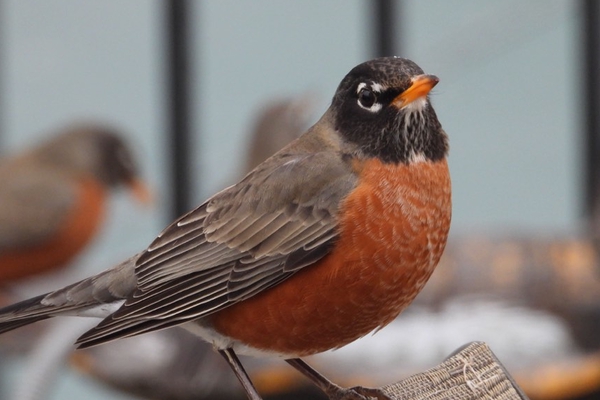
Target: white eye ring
364	88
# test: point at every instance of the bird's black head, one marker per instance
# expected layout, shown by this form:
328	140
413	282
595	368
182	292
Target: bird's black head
382	107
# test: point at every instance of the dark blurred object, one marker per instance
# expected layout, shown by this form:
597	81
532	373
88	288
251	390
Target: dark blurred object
52	198
385	27
276	125
593	227
178	53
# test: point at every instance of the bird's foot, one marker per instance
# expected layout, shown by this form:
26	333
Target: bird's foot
333	391
357	393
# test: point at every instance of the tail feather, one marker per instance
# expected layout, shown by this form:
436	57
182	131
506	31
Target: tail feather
13	316
94	296
10	325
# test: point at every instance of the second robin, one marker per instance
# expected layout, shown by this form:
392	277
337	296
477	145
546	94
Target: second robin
324	242
53	198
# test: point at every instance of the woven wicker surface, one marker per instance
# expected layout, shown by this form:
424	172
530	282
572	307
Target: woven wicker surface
474	372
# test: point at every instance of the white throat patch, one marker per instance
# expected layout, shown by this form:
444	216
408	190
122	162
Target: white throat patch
416	106
416	158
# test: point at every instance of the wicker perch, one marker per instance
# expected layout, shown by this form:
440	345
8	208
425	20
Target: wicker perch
472	372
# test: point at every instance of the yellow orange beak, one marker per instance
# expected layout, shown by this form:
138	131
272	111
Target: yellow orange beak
420	87
140	191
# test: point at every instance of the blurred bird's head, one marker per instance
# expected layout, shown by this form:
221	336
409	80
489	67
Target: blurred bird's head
94	151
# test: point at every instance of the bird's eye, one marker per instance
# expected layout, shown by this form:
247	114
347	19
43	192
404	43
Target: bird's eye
366	98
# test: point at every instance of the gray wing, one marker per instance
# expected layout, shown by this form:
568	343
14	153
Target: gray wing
247	238
33	205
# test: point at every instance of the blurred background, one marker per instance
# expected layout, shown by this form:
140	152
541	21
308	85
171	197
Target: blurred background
185	81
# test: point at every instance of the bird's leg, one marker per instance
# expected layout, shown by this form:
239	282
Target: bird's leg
240	372
333	391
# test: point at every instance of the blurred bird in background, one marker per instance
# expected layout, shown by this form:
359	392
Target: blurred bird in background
53	198
53	202
275	125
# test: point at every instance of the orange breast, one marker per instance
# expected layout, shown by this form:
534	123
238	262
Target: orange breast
393	230
76	231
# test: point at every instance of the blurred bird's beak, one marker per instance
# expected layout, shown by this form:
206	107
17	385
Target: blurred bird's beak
420	87
140	191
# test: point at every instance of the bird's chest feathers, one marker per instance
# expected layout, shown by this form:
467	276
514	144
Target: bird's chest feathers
394	225
393	229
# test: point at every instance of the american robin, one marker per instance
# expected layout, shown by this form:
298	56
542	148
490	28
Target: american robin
52	198
324	242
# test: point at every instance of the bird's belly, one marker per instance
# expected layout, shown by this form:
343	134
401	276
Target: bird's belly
77	230
393	230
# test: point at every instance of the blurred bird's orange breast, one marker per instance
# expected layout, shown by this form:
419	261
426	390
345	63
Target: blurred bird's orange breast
393	230
80	224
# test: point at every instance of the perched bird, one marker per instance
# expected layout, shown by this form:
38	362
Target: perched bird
327	240
52	198
276	125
